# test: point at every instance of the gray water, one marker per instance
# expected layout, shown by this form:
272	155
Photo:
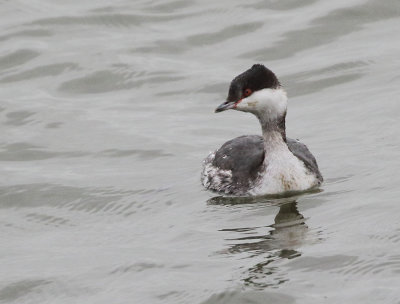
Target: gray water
107	113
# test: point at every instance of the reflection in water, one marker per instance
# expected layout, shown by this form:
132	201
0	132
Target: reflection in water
286	235
290	230
271	199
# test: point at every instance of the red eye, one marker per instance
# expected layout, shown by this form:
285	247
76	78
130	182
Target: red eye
247	92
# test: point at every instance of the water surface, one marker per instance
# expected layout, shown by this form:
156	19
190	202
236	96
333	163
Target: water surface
107	112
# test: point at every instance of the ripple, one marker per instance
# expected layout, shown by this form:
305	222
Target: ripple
106	81
214	88
20	289
394	237
109	20
142	154
348	265
253	297
169	7
27	33
180	46
137	267
326	29
177	295
54	125
318	79
322	263
17	58
281	5
389	264
224	34
309	87
98	82
48	220
27	152
19	118
338	180
163	46
42	71
91	200
23	151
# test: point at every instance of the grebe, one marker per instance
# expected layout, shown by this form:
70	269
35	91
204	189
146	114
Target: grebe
260	165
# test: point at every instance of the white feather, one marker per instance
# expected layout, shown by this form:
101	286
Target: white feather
283	170
215	178
266	103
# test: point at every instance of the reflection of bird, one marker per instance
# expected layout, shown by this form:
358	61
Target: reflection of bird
255	165
288	234
290	229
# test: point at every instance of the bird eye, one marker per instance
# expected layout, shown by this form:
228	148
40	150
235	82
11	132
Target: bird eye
247	92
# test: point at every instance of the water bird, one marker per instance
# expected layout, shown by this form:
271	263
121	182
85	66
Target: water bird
260	165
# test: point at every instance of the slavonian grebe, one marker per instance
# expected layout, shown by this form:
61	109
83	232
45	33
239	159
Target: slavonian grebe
259	165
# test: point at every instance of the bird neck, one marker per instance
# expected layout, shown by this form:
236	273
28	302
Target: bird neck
273	130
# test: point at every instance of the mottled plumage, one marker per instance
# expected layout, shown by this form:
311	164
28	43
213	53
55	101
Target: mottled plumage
267	164
239	163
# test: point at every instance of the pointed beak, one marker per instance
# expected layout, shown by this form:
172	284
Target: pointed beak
225	106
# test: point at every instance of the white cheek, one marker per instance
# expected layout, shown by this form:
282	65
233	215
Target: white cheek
269	103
